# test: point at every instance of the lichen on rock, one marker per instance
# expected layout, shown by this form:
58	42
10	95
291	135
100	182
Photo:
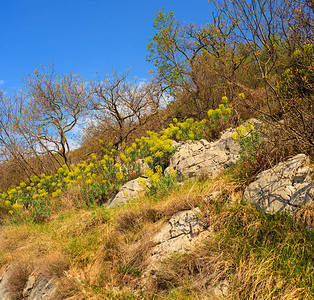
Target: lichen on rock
284	188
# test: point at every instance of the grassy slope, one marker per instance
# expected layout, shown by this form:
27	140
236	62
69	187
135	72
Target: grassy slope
97	253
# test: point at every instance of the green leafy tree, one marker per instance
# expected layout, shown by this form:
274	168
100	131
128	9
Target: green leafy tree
195	64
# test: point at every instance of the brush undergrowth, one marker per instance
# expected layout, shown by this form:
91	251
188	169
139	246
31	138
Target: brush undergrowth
98	178
104	253
101	253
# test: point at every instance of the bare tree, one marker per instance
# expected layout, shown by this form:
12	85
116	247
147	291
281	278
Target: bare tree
14	153
35	125
53	105
123	107
279	36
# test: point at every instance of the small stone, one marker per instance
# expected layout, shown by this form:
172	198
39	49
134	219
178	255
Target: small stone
128	191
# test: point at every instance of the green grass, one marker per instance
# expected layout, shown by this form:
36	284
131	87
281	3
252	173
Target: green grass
103	252
262	256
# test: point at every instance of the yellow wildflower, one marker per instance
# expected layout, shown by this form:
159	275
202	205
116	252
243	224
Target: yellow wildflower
119	175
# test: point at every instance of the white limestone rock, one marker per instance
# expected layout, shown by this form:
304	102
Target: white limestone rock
284	188
40	287
204	158
128	191
5	293
178	233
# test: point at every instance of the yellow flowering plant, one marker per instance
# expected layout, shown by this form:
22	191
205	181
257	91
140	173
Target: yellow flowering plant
221	114
158	183
252	153
99	177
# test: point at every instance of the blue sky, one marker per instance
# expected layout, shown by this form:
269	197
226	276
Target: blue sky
83	36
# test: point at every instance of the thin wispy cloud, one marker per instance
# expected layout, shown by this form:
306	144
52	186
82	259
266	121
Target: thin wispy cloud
2	81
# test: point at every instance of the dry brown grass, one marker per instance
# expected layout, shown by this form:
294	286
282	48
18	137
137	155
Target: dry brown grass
101	254
23	262
305	217
19	273
69	199
261	282
134	220
13	238
199	270
52	265
26	249
78	223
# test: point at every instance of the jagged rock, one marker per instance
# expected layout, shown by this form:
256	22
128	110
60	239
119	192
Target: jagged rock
204	158
220	289
183	231
127	192
178	233
196	158
39	287
4	284
283	188
176	144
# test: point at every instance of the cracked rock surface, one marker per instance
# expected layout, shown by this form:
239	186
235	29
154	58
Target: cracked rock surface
126	192
39	287
5	294
196	158
284	188
183	231
179	232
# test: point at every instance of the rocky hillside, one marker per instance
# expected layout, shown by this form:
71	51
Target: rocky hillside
182	222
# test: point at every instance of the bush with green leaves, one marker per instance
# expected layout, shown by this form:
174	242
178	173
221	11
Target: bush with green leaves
252	152
158	183
220	115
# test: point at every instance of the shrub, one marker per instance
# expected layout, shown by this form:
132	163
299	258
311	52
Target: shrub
158	183
252	152
99	177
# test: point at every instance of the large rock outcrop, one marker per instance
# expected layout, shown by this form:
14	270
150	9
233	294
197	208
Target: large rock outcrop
205	158
128	191
284	188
